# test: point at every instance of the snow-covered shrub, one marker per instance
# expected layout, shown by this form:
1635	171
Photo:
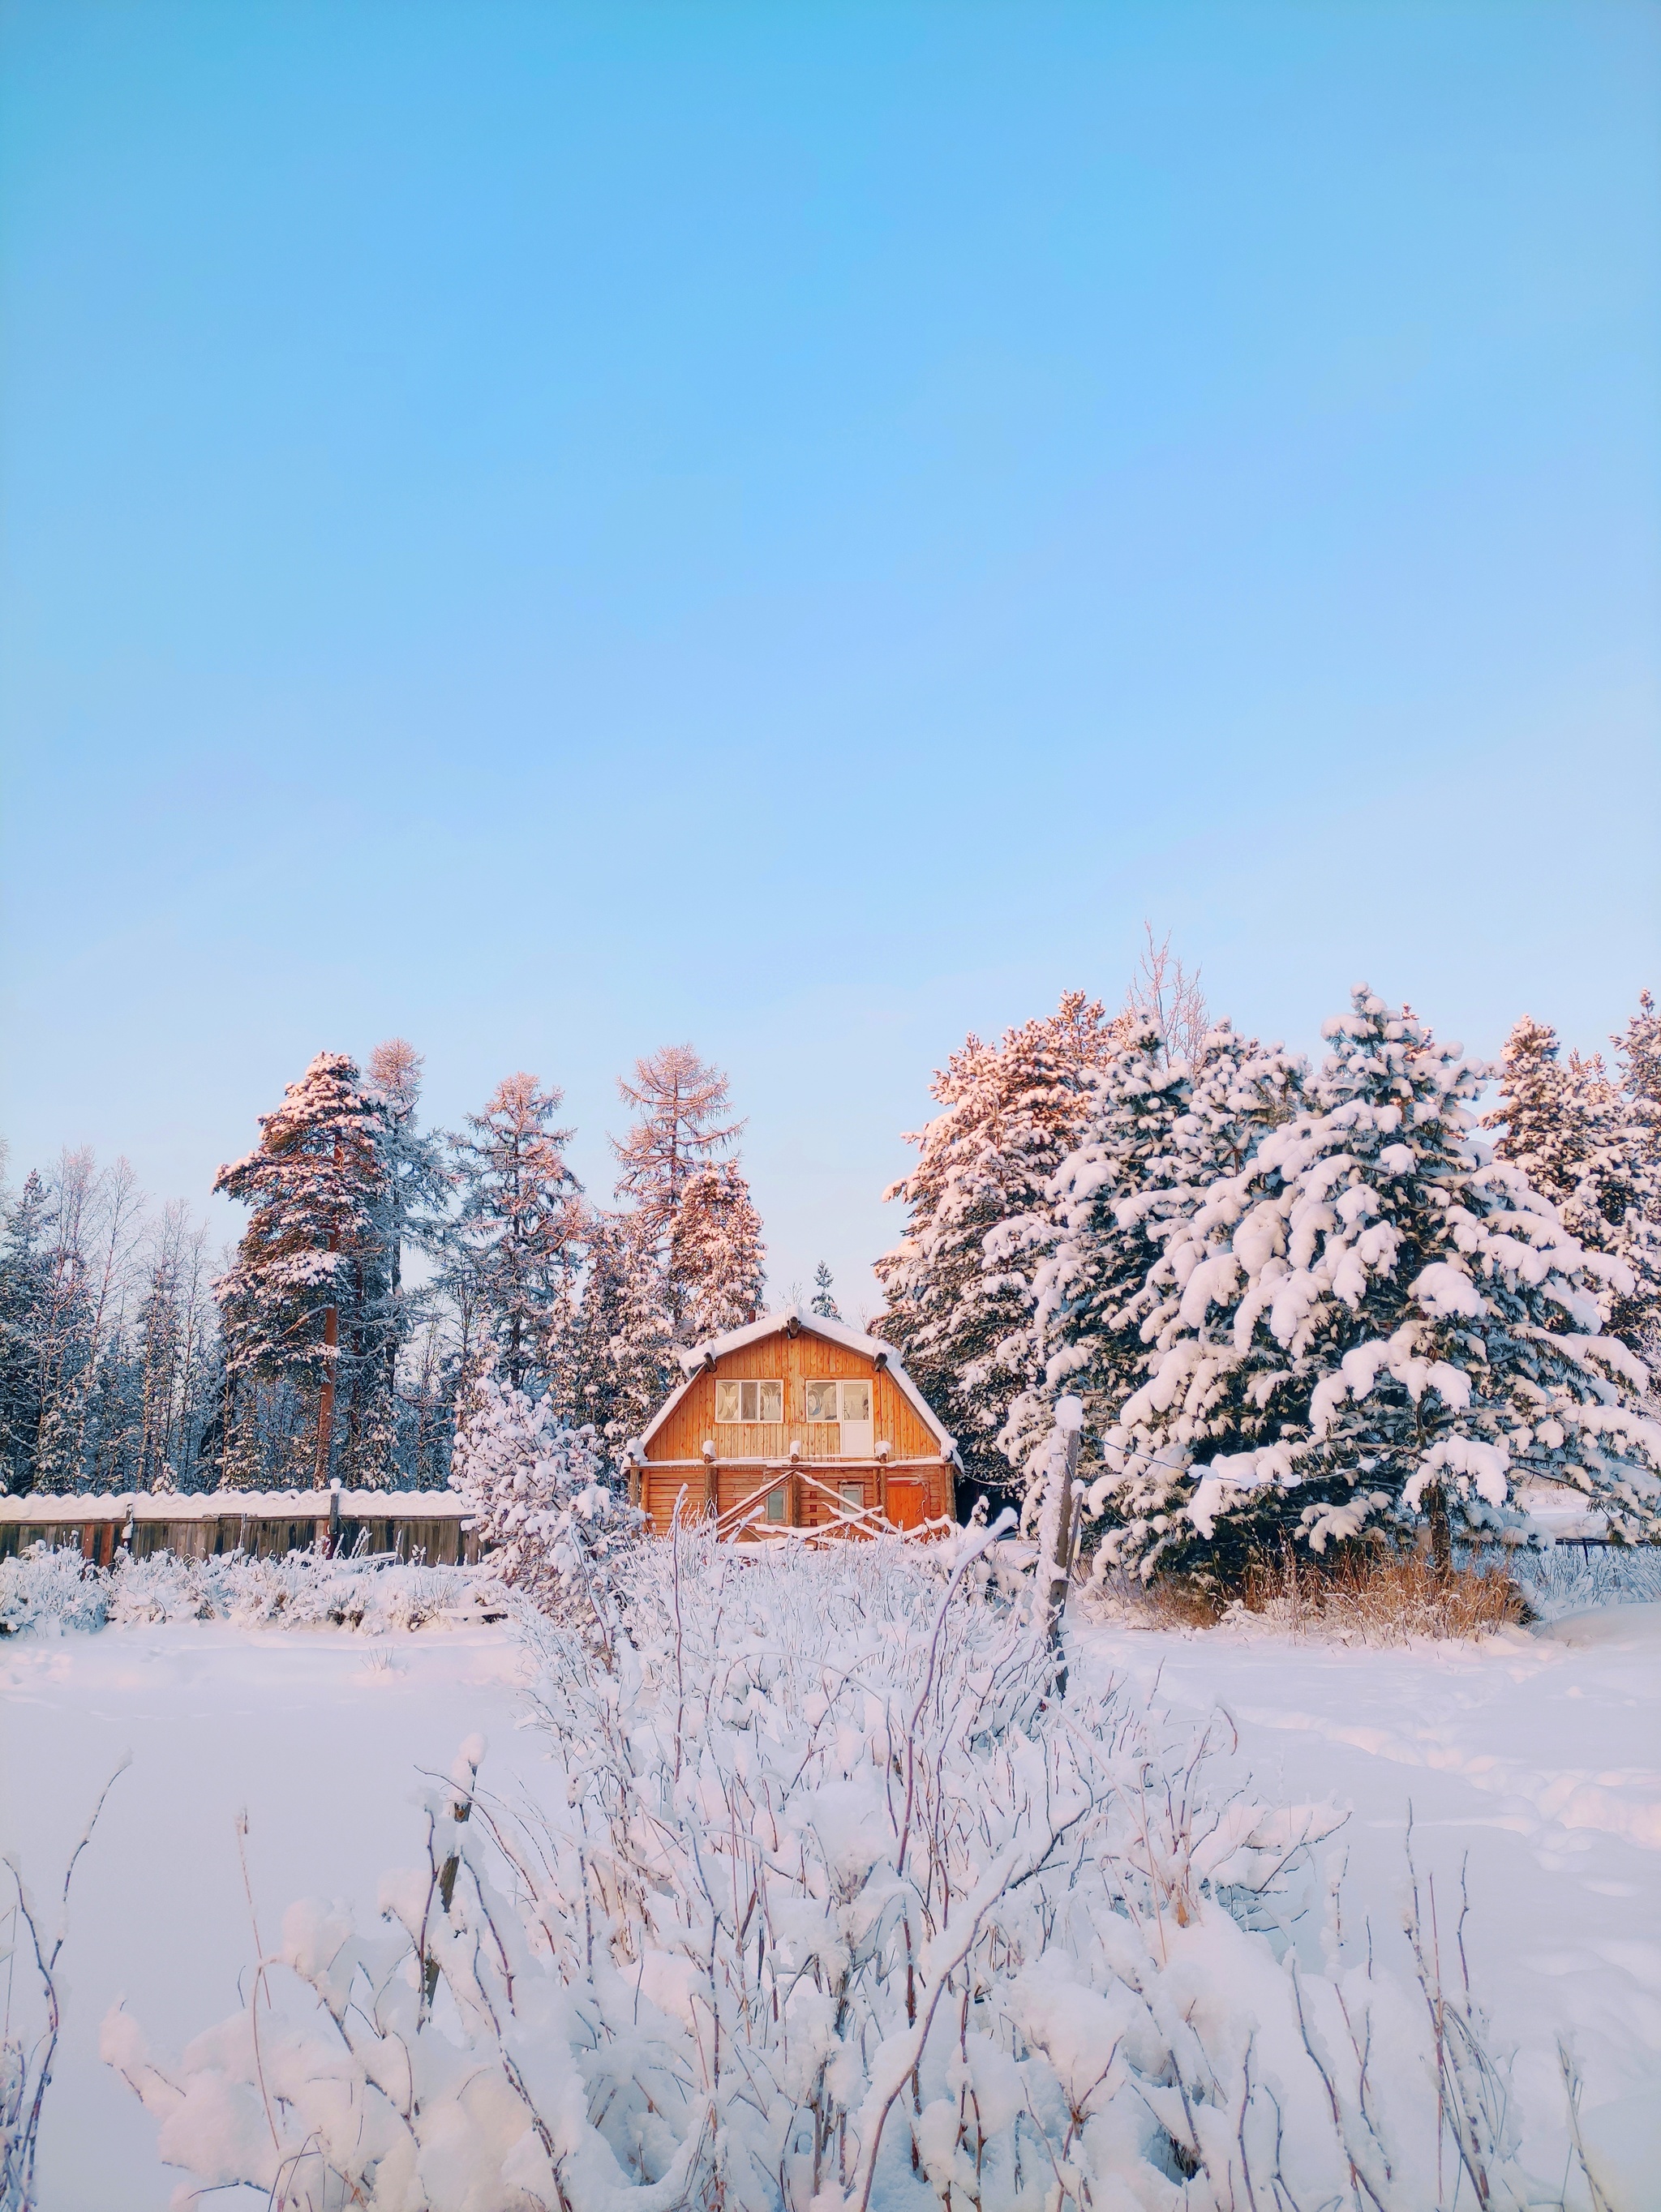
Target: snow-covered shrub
536	1496
45	1588
829	1903
50	1587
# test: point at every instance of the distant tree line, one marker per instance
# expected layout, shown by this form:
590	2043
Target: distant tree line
385	1268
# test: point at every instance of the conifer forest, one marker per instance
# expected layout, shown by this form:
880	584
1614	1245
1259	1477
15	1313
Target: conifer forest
1294	1299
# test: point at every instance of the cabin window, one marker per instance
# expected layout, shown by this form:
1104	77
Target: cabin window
776	1506
838	1401
853	1494
749	1401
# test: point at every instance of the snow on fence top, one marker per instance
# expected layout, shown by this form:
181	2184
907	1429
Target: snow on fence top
44	1509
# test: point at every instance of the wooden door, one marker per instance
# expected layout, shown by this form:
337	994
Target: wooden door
904	1502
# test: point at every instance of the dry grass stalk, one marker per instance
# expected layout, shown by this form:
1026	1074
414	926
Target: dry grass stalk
1384	1597
1368	1596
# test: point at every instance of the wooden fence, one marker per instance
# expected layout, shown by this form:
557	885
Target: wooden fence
414	1525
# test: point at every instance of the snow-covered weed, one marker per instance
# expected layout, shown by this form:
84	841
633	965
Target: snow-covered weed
45	1588
831	1903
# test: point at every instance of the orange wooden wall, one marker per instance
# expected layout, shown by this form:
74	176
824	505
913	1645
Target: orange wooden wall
796	1360
908	1493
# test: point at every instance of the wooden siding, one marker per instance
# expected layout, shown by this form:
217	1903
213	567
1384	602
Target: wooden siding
795	1361
753	1459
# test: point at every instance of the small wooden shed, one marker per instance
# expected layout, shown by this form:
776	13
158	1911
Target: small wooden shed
795	1422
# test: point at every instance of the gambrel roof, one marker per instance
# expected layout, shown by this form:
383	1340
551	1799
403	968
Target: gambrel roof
791	1320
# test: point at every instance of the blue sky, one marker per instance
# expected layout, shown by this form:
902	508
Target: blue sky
554	530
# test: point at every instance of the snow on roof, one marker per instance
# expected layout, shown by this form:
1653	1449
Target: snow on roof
693	1360
47	1509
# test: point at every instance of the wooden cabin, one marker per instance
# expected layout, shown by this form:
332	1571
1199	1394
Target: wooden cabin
795	1422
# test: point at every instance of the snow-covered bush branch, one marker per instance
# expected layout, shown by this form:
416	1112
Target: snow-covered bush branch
537	1498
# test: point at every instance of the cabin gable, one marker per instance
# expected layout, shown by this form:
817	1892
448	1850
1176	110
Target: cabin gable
750	1435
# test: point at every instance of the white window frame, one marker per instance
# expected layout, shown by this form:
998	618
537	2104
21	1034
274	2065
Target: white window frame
840	1383
758	1383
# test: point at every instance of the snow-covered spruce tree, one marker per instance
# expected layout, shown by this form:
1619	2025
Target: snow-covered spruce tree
416	1192
310	1253
1638	1049
24	1298
1133	1221
609	1350
823	1300
1092	1242
516	1243
536	1494
170	1339
1379	1326
963	1326
1542	1121
715	1253
1582	1142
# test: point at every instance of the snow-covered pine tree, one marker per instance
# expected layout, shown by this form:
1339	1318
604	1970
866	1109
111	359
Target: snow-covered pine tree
176	1353
307	1254
824	1302
517	1239
537	1496
716	1259
1383	1325
962	1327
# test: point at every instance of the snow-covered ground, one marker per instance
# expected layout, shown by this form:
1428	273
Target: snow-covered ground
1537	1753
321	1734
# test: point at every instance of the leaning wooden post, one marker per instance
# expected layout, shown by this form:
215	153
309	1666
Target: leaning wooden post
1055	1526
